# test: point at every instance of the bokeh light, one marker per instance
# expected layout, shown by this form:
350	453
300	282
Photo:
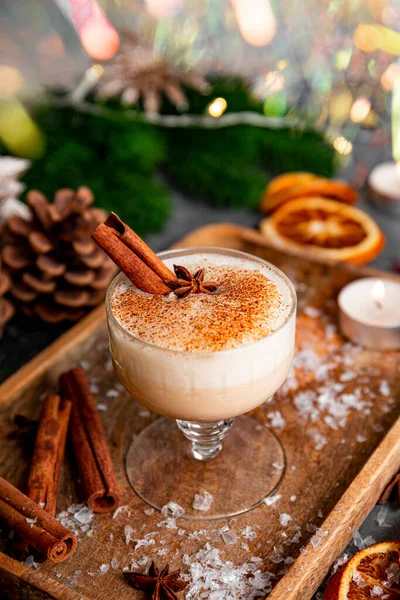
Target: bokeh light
11	81
342	145
256	21
360	110
18	132
217	107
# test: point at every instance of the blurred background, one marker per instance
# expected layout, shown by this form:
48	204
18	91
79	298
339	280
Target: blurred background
179	113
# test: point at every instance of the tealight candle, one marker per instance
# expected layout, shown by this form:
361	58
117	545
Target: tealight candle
369	312
384	183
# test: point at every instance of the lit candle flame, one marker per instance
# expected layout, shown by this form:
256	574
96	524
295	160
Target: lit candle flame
378	293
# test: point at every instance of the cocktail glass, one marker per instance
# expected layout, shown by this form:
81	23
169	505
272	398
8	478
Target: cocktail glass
200	394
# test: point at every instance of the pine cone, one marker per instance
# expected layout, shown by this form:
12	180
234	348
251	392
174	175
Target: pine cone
7	310
57	271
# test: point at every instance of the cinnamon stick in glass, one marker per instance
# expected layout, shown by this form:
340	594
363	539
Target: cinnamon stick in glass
134	257
90	446
41	531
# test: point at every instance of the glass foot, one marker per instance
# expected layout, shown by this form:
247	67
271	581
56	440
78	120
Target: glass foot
161	466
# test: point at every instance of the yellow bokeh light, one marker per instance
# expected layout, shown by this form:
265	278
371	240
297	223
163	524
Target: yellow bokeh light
360	110
11	81
390	76
18	132
367	37
343	58
342	145
256	21
340	105
282	64
217	107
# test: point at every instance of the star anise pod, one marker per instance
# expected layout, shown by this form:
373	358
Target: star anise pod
192	284
162	583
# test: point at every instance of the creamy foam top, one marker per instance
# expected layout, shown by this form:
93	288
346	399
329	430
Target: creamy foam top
251	302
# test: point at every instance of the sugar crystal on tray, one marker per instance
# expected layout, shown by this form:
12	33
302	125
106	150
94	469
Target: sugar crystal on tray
229	537
30	562
84	516
203	501
128	530
172	509
393	574
114	563
381	516
376	591
284	519
270	500
104	568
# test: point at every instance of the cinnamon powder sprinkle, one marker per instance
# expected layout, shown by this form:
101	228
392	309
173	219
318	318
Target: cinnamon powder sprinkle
246	307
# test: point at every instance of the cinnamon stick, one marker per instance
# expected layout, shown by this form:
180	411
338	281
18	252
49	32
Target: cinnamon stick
94	462
134	257
42	531
48	454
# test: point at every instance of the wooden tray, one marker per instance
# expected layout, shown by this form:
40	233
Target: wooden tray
334	478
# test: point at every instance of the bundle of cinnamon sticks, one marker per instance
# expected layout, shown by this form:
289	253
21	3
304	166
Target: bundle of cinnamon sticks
31	516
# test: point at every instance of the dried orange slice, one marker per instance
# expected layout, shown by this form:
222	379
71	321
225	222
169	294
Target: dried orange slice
318	228
289	187
372	572
288	180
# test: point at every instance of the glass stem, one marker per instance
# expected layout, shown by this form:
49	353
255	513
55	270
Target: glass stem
206	438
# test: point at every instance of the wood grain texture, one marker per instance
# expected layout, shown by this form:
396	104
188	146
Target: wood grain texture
335	486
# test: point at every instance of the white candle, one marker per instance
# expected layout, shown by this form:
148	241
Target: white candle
384	181
369	312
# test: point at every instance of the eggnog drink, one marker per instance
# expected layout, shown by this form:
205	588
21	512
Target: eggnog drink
205	357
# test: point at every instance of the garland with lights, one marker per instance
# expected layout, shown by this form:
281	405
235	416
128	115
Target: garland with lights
118	151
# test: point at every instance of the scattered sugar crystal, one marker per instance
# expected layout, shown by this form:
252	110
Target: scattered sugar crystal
78	572
125	568
229	536
30	521
104	568
42	504
342	560
111	537
181	531
203	501
358	541
112	394
212	578
361	438
114	563
101	406
319	439
311	311
384	388
347	376
30	562
284	519
270	500
276	556
289	560
393	574
381	516
318	537
84	364
320	514
376	591
359	580
278	466
144	413
118	511
311	527
144	560
276	419
293	467
169	523
144	542
162	551
249	533
94	388
172	509
244	546
128	531
303	550
377	427
84	516
293	498
148	511
70	581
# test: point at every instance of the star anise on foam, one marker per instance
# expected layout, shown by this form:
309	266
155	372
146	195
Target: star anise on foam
192	284
163	584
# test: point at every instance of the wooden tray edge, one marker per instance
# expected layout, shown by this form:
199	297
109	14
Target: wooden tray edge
349	512
12	571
